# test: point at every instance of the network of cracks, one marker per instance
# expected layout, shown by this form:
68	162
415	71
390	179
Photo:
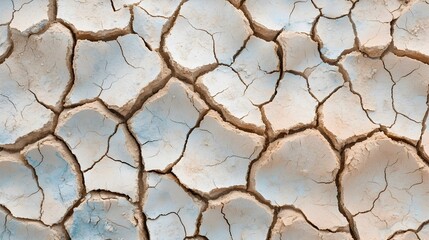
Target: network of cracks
214	119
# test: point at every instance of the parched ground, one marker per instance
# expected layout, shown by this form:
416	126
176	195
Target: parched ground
214	119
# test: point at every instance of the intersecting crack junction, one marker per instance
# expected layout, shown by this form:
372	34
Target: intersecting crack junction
214	119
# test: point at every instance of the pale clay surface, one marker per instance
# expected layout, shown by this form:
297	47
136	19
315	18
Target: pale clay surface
300	171
217	156
161	126
236	215
58	176
217	119
249	82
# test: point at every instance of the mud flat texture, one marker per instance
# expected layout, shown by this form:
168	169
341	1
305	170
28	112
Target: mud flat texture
214	119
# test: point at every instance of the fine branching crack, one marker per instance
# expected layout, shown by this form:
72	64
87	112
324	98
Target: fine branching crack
6	232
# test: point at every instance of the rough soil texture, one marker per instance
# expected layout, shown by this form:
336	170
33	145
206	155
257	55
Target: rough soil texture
214	119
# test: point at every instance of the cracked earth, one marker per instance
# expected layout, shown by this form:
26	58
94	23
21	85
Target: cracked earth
214	119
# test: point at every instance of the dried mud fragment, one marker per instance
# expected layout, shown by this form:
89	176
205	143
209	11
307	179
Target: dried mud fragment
343	118
292	107
411	31
291	225
334	8
334	45
300	171
163	123
106	70
289	15
236	215
22	9
300	52
410	90
102	146
104	216
24	199
372	82
120	163
406	129
40	63
409	95
86	131
35	75
384	187
171	212
58	175
372	20
238	90
324	80
93	18
200	37
12	228
152	18
217	156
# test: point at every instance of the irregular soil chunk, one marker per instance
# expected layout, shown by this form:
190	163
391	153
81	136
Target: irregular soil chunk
343	118
411	30
171	211
373	83
300	171
104	216
36	72
249	82
290	15
291	225
300	52
409	95
333	45
102	146
152	18
120	163
292	107
236	215
407	129
12	228
94	18
334	8
40	63
217	156
410	90
106	70
228	92
200	37
37	9
86	131
23	199
58	175
324	80
372	19
162	124
384	187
